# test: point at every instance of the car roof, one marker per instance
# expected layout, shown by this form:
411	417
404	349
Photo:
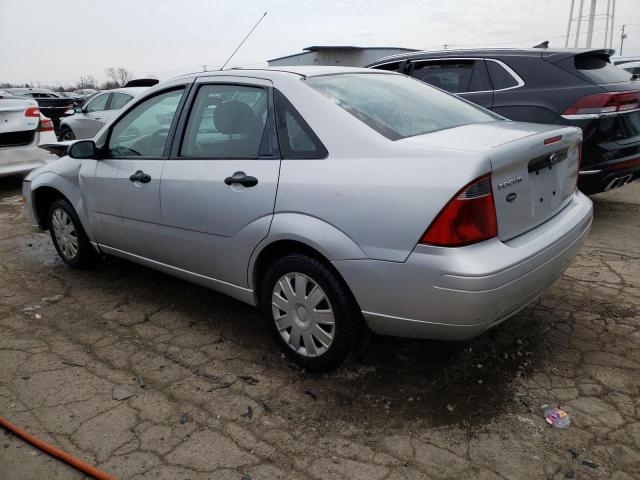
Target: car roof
29	89
272	72
553	54
130	90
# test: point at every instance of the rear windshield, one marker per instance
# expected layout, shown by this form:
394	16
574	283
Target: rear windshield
598	69
397	106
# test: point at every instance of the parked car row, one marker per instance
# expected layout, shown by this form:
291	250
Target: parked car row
52	104
338	200
564	87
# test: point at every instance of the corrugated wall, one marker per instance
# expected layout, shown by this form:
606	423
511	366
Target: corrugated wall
339	56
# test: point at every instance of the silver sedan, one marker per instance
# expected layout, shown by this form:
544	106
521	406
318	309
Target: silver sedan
98	109
339	201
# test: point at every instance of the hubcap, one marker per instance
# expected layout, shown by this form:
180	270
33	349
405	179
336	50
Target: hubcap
303	314
65	233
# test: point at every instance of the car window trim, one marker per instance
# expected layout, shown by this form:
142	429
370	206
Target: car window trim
167	148
509	70
268	134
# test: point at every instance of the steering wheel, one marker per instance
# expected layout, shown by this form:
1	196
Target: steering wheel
147	144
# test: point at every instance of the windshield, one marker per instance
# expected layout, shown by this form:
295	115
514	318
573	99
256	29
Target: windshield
397	106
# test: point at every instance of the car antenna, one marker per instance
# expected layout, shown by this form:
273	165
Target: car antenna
243	40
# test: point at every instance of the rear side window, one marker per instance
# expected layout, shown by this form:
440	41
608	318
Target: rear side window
295	137
500	77
598	69
452	75
397	106
390	67
226	121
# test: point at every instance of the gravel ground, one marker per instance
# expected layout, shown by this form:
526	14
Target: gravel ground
211	398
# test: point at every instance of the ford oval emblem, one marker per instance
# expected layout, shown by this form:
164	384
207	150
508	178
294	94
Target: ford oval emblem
511	197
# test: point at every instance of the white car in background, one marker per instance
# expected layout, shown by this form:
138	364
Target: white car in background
87	120
22	129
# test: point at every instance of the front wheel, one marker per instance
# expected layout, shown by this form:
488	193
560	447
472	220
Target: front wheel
67	134
68	236
310	313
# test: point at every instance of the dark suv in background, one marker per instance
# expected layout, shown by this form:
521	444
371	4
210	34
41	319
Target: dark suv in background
569	87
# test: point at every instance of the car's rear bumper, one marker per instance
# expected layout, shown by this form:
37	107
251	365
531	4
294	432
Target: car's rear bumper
21	160
458	293
609	175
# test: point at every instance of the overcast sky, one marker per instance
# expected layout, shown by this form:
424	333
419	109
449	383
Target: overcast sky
55	41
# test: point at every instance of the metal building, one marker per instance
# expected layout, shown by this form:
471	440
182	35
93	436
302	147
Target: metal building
337	55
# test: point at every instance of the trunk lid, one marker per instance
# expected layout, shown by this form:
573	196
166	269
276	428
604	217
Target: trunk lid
534	178
529	186
12	115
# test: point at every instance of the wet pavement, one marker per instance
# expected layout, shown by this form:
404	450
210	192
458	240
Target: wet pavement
210	397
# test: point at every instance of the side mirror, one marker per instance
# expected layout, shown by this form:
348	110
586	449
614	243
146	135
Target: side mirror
83	149
78	110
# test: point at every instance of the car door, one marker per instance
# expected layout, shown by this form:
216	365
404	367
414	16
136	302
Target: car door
124	192
219	185
88	122
465	77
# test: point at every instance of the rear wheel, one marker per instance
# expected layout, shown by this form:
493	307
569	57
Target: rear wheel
67	134
311	315
68	236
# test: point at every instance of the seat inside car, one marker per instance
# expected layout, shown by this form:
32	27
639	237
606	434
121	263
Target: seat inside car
241	124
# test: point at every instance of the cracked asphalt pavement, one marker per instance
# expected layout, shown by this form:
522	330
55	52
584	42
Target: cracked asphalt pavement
202	392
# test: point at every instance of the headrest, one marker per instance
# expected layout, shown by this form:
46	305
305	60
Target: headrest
235	117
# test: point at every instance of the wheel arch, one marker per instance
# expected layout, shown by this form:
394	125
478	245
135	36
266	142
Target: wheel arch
296	232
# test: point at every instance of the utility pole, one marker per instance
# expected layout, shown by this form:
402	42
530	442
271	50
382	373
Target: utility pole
592	14
575	44
606	28
566	42
622	37
613	15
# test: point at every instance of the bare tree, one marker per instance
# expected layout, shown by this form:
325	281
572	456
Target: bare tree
87	81
119	76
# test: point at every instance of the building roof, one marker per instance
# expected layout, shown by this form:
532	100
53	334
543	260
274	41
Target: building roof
315	48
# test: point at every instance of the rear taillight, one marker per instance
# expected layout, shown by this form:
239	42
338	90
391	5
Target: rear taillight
599	103
32	112
46	125
469	217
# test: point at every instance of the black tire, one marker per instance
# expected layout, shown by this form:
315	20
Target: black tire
348	329
85	255
67	134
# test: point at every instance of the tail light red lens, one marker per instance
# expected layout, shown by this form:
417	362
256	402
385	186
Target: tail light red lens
598	103
32	112
469	217
46	125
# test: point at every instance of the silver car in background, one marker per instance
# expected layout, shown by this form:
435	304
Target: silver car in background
87	120
338	200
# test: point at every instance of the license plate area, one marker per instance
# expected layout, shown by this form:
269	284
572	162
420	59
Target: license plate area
548	182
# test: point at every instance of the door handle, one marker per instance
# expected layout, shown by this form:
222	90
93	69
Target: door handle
141	177
242	179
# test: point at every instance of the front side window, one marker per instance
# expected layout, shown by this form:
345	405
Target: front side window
397	106
143	131
98	104
390	67
451	75
119	100
226	121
